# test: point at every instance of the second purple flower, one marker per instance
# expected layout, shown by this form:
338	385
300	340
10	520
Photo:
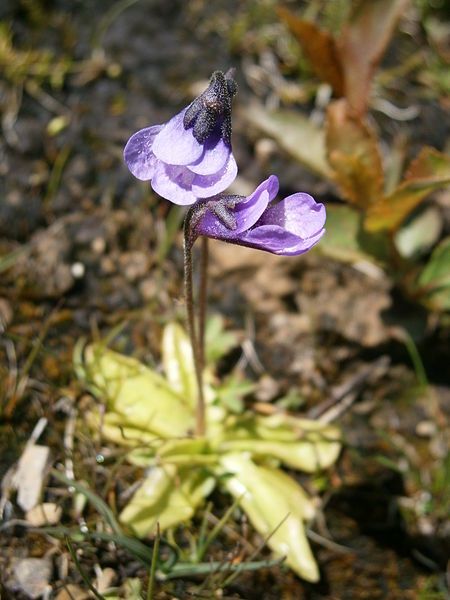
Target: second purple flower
190	156
290	227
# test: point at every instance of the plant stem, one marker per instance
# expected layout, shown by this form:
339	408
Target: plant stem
189	299
202	300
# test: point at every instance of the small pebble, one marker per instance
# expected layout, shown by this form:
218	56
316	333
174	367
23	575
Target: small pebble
426	428
31	576
78	270
47	513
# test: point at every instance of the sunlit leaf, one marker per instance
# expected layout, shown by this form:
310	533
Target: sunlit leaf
346	240
362	44
141	397
419	235
115	428
320	48
298	443
277	507
354	155
168	496
428	172
295	134
434	280
179	363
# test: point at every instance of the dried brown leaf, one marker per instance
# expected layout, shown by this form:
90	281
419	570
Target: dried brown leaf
362	44
319	47
354	155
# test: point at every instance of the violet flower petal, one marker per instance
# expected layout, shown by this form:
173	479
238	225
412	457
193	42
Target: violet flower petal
213	159
174	183
247	212
176	145
299	214
138	152
275	239
205	186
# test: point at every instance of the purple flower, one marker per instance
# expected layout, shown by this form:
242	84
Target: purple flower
190	156
289	227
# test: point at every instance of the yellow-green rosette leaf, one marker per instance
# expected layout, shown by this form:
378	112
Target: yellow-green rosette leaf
168	496
178	363
139	397
298	443
276	506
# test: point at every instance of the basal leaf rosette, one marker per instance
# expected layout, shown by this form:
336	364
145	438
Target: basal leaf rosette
153	417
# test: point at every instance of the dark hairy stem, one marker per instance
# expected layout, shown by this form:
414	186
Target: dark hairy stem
202	300
189	299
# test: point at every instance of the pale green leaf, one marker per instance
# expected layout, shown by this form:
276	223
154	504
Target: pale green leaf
141	398
178	363
346	240
168	496
298	443
218	341
115	428
420	233
277	507
434	280
294	133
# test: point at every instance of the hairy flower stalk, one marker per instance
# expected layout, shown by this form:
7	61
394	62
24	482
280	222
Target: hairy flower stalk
194	336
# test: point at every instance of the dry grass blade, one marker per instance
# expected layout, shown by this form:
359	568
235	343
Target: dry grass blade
80	569
95	500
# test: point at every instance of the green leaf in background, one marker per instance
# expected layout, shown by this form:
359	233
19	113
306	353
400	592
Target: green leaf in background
428	172
138	395
168	496
178	363
232	391
276	506
419	234
434	281
294	133
346	240
218	341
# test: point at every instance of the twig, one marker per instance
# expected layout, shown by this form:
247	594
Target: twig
344	396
